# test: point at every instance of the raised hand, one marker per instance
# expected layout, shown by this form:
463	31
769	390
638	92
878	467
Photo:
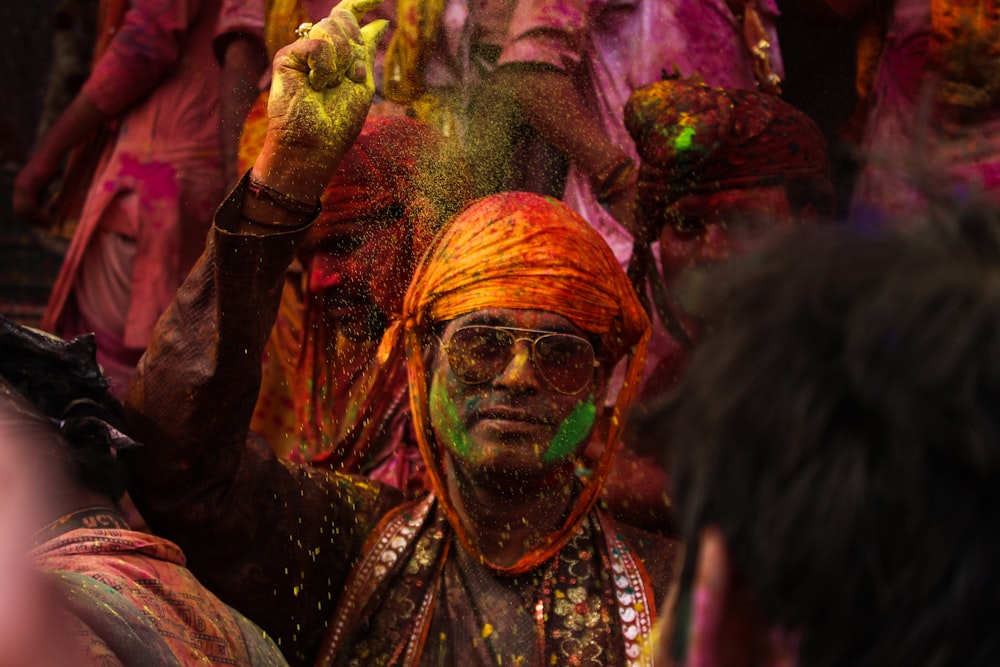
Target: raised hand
320	94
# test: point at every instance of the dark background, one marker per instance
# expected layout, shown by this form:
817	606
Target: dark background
27	269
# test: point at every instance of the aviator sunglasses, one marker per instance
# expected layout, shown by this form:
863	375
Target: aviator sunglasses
478	353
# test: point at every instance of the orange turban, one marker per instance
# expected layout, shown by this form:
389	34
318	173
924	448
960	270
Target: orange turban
520	251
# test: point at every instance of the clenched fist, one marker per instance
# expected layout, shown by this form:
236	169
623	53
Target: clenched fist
320	94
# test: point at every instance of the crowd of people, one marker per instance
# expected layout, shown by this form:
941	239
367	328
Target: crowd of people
528	333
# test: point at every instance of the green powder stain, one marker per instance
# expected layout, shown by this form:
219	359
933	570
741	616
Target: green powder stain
572	431
683	140
445	416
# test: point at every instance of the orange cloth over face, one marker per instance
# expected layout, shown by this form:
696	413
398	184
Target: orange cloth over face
520	251
322	400
408	172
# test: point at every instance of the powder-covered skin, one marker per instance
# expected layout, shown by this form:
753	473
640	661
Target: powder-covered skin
572	431
444	415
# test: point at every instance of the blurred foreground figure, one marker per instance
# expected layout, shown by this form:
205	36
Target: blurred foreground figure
834	448
114	596
508	331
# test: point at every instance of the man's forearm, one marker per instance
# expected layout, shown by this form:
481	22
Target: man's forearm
78	122
552	104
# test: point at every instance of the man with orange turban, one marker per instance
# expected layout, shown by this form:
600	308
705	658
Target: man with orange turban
322	400
513	321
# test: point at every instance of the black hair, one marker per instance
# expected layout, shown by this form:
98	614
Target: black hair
63	381
840	424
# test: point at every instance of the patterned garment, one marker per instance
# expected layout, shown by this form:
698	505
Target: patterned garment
137	604
417	598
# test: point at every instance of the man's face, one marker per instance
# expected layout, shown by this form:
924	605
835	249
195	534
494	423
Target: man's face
361	267
702	229
534	414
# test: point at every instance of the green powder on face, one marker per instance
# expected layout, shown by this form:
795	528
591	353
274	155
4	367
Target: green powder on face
444	415
572	431
683	140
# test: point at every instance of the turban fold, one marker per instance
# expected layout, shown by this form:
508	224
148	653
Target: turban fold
694	139
520	251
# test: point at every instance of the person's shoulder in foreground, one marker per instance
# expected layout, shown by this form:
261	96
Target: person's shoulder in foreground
125	597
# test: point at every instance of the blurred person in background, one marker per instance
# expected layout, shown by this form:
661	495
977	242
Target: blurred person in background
933	125
167	86
324	400
721	170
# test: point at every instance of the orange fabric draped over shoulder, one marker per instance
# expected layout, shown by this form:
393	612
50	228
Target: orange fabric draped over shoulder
520	251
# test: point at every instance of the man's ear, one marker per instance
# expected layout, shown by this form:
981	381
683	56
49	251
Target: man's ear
726	627
710	595
691	624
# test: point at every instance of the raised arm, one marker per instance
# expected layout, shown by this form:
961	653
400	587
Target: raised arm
272	540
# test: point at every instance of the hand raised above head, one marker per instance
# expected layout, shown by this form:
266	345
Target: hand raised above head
321	90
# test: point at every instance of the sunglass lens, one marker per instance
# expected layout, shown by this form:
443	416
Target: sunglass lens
477	354
566	362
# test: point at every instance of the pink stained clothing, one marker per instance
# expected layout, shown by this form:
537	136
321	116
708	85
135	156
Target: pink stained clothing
614	47
953	155
161	77
143	579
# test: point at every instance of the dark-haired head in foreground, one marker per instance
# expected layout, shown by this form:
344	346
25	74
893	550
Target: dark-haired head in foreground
835	454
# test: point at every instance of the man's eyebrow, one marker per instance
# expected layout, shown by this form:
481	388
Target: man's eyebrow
489	319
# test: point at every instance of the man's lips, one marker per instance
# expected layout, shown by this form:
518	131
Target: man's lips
509	414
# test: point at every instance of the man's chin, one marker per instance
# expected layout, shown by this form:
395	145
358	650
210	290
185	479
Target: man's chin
506	464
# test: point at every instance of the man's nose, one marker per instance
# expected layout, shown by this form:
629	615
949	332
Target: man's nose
519	373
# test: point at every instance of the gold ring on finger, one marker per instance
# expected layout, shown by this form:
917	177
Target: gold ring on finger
302	32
